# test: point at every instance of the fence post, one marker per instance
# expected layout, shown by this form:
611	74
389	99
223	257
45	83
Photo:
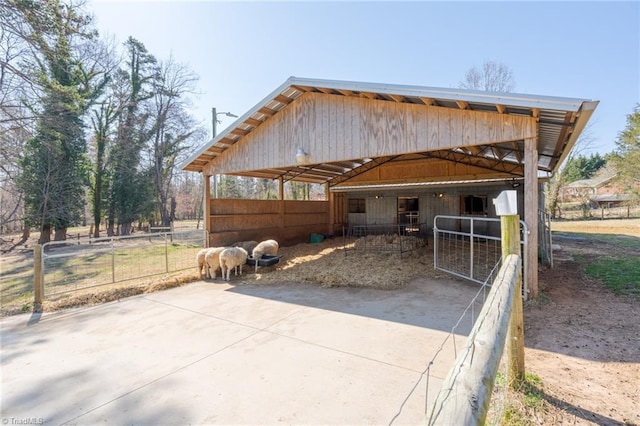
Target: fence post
166	252
506	208
38	278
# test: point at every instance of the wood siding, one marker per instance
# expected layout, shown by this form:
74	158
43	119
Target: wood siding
286	221
335	128
427	170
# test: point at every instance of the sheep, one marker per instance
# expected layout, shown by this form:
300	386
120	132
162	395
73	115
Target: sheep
232	257
247	245
201	263
265	247
212	261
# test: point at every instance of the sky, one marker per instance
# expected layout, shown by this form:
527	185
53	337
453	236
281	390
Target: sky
242	51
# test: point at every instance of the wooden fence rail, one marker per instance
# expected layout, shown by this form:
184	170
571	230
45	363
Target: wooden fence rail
466	392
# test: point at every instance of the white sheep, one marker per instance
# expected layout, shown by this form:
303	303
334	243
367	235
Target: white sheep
212	261
232	257
200	259
247	245
265	247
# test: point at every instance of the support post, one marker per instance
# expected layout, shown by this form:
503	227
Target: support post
332	214
38	278
510	236
207	207
531	212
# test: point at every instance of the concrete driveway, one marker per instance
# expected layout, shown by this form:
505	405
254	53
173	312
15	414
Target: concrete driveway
213	353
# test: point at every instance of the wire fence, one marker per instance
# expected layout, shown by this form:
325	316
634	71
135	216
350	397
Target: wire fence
385	237
92	262
481	365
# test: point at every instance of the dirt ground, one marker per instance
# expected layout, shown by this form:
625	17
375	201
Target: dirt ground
582	340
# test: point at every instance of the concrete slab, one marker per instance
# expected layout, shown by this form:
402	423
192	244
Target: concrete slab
248	354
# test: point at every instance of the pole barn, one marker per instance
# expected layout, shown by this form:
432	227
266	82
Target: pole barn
383	151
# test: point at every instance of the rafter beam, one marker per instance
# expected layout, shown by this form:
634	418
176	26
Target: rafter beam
345	92
427	101
253	122
397	98
501	109
462	104
267	111
283	99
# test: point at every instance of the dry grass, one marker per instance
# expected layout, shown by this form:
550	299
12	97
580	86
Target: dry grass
629	227
328	264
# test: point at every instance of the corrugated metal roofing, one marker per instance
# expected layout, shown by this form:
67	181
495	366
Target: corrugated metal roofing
560	122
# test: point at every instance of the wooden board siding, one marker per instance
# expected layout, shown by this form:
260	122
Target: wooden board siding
286	221
336	128
427	170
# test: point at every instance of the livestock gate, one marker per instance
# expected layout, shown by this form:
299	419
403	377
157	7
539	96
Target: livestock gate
470	247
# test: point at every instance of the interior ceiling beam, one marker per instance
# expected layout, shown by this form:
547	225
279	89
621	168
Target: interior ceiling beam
489	164
365	167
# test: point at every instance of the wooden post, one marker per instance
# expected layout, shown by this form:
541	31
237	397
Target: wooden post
38	279
331	206
531	189
206	199
510	233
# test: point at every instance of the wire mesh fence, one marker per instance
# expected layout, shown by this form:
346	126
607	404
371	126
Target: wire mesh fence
396	238
464	395
85	263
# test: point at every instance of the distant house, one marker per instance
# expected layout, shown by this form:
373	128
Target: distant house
601	190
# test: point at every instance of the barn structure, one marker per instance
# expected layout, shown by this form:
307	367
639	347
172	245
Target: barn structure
386	153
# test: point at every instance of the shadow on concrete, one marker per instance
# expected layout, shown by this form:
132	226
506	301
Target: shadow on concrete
433	304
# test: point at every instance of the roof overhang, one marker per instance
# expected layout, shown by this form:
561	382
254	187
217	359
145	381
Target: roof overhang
560	122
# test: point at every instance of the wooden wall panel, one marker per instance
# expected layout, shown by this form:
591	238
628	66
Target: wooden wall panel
222	206
292	206
288	221
421	171
365	128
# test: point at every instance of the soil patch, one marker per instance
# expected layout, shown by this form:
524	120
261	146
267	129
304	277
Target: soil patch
583	341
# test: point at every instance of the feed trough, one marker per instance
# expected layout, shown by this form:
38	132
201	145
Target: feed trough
265	260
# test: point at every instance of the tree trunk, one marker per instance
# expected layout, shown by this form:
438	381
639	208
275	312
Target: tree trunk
172	213
125	229
25	234
45	234
110	223
60	234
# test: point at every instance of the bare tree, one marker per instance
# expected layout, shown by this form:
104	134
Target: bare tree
174	128
491	76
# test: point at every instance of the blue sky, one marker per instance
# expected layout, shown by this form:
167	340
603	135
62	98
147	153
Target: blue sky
244	50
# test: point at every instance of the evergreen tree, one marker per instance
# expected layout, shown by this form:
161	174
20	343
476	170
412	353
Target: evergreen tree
130	195
627	158
54	165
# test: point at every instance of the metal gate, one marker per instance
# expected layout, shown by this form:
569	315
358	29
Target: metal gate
470	247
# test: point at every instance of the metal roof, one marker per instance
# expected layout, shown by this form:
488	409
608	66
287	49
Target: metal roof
560	122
